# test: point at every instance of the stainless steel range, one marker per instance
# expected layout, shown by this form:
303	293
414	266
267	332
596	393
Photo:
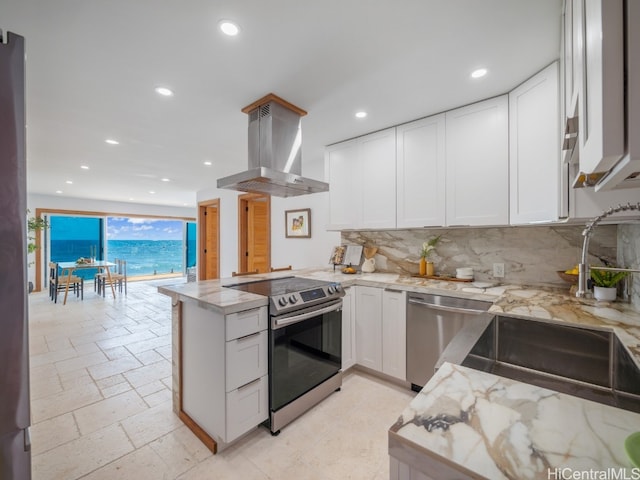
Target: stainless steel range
305	343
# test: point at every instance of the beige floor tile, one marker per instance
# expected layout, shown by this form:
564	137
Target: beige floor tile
44	387
180	450
114	367
116	389
109	411
149	388
158	397
82	361
126	339
110	381
141	464
151	424
82	455
75	378
148	373
150	344
53	433
64	402
149	356
219	467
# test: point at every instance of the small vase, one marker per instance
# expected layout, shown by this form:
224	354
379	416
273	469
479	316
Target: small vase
607	294
430	272
423	266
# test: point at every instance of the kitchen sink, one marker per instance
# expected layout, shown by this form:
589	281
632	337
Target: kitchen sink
585	362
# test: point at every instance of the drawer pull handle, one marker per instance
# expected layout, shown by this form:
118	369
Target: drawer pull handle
242	387
246	337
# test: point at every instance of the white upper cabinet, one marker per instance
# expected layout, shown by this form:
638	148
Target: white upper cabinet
421	173
477	142
362	179
599	42
342	162
534	149
377	177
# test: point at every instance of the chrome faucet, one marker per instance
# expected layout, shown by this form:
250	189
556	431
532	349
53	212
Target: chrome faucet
583	266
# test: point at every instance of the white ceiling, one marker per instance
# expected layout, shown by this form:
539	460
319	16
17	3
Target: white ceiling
92	67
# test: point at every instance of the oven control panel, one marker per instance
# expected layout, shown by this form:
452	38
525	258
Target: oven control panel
292	301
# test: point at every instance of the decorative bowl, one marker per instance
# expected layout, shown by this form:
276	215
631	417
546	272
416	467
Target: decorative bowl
568	277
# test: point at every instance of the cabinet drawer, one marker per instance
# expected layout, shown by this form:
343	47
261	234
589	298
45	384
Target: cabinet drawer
246	359
247	407
245	323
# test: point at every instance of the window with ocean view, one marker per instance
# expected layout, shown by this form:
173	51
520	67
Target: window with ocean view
150	246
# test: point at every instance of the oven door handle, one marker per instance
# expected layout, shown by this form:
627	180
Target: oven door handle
283	322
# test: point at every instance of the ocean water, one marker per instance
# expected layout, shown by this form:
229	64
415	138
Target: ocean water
144	257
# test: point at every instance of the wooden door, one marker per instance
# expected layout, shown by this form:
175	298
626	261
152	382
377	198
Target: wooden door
254	234
209	247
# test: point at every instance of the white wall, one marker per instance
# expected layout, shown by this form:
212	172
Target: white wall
297	252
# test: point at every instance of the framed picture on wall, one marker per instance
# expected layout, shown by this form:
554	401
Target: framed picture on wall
297	223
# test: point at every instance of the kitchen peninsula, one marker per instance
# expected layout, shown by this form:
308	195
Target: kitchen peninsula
549	304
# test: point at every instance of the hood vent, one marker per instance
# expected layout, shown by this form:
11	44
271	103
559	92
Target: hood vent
275	152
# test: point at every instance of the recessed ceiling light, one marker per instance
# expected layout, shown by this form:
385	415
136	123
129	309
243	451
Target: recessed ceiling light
84	167
207	163
229	28
164	179
69	182
361	114
151	192
481	72
164	91
111	141
58	191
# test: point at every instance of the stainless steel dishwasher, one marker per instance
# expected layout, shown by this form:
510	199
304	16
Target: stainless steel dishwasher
432	322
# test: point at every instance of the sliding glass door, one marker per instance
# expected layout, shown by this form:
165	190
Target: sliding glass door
75	237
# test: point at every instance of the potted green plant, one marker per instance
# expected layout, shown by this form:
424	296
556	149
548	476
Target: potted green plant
605	283
34	224
426	267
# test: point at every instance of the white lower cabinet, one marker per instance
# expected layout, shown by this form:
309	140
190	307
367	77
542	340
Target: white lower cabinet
224	370
394	333
369	327
381	330
348	329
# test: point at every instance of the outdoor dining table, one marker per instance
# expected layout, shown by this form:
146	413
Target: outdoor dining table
70	267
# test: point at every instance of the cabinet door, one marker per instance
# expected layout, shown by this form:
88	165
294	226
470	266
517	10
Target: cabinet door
601	103
342	164
247	407
394	333
534	149
377	178
369	327
478	163
348	329
421	175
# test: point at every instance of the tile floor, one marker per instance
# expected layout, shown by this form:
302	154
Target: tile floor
101	405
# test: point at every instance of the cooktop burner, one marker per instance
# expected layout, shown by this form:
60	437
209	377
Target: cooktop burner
291	293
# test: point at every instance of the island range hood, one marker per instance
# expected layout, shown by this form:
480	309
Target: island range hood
275	157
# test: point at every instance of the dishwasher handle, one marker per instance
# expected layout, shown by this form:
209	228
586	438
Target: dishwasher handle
445	308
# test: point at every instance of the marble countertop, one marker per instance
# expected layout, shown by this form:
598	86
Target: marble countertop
486	425
554	304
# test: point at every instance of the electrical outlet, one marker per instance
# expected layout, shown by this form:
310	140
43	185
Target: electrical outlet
498	270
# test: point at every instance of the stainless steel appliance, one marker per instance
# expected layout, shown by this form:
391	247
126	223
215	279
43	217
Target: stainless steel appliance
15	457
275	152
432	322
305	343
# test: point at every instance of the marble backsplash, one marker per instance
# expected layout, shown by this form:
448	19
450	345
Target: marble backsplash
531	255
